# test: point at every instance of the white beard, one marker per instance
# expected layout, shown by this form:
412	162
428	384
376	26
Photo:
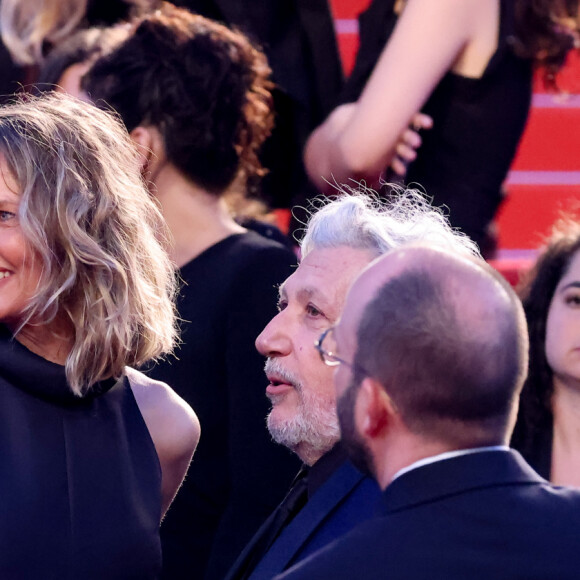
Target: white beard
313	430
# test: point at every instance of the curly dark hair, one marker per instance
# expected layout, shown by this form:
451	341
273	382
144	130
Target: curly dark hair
205	87
536	292
545	33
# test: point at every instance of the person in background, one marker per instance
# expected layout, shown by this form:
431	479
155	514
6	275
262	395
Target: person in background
199	126
330	496
92	451
298	38
300	42
546	431
64	67
467	64
431	354
31	29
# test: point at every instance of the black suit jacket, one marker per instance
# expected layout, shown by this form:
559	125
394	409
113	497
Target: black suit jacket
344	500
481	516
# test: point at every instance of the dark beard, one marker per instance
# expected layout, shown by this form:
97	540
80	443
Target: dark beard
357	450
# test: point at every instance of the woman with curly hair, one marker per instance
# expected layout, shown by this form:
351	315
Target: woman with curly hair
547	432
195	96
465	63
91	451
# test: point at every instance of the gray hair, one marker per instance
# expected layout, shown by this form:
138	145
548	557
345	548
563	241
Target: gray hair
360	219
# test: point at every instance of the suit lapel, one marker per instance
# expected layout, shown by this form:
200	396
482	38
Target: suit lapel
240	562
305	524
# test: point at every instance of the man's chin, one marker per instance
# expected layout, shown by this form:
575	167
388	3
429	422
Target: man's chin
282	429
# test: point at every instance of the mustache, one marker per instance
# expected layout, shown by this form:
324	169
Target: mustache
274	367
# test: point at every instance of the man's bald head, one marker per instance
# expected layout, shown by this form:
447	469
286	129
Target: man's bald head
445	336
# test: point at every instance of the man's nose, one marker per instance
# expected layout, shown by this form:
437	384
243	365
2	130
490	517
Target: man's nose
274	340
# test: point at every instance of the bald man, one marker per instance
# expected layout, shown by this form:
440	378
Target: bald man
432	353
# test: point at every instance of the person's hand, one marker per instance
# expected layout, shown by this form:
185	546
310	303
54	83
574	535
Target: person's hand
408	143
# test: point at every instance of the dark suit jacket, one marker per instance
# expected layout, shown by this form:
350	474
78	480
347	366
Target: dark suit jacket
481	516
344	500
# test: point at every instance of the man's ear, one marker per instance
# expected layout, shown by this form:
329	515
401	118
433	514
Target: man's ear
373	409
145	140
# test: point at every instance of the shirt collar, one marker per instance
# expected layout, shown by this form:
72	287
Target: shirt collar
448	455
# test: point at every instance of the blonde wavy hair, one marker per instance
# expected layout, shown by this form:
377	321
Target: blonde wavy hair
86	213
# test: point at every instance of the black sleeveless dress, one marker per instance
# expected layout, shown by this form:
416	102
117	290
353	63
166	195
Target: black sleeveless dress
80	482
478	122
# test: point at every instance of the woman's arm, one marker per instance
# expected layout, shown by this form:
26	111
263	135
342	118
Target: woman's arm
359	140
173	426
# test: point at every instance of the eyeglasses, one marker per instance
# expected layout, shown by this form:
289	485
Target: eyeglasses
326	347
328	351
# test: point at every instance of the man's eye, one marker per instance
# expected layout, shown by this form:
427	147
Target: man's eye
313	311
282	305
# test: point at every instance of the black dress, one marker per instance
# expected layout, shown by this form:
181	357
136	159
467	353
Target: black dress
478	122
238	475
80	481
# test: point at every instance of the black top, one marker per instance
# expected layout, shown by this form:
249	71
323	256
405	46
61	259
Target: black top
238	475
80	490
477	122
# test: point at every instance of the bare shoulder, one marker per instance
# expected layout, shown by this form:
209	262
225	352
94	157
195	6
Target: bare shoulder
447	13
173	426
163	409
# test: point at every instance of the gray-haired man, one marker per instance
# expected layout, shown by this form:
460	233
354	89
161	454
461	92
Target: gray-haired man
341	239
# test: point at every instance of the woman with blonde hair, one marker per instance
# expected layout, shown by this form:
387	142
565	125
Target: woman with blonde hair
91	451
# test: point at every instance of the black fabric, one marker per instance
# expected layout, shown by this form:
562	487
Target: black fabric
294	501
107	12
339	498
478	123
324	468
238	475
479	516
12	77
308	481
534	442
81	483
